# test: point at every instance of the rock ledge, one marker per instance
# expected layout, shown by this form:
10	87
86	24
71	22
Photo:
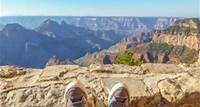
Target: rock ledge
150	85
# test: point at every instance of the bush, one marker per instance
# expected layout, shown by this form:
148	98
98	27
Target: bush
126	58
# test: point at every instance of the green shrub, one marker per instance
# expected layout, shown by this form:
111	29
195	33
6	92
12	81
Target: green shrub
126	58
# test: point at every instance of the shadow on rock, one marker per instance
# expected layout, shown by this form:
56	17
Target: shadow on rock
189	100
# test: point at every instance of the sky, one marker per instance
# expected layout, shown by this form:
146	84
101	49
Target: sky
166	8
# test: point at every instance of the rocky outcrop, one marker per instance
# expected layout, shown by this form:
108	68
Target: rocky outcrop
108	56
56	61
192	42
53	61
199	58
164	53
147	57
150	85
183	32
198	61
175	89
192	23
103	57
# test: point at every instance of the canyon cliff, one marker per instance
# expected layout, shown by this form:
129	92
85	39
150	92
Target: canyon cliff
33	48
179	43
183	33
192	42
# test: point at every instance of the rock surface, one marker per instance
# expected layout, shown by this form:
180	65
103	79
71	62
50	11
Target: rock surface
199	57
150	85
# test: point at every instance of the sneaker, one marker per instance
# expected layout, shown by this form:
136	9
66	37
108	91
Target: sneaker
75	95
119	96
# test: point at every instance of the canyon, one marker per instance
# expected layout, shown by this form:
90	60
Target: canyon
177	44
33	48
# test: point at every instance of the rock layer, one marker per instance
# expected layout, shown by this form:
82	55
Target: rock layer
191	42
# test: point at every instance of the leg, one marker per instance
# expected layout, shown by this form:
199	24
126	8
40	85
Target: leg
119	96
75	95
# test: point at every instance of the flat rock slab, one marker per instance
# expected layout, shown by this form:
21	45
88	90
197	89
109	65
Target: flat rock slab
162	68
56	70
136	86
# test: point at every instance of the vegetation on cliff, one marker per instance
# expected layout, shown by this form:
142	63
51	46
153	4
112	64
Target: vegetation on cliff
126	58
183	53
169	53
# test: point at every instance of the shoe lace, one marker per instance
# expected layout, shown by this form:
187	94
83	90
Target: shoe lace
120	99
119	102
77	101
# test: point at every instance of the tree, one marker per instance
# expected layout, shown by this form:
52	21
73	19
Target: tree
126	58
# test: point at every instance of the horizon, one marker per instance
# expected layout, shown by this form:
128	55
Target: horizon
103	8
100	16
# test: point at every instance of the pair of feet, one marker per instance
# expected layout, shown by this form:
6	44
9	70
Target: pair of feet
75	95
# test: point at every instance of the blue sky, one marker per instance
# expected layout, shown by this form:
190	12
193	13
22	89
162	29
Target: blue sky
180	8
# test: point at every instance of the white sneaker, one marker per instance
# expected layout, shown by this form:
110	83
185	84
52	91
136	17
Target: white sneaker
75	95
119	96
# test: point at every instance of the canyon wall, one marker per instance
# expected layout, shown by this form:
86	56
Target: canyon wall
192	42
